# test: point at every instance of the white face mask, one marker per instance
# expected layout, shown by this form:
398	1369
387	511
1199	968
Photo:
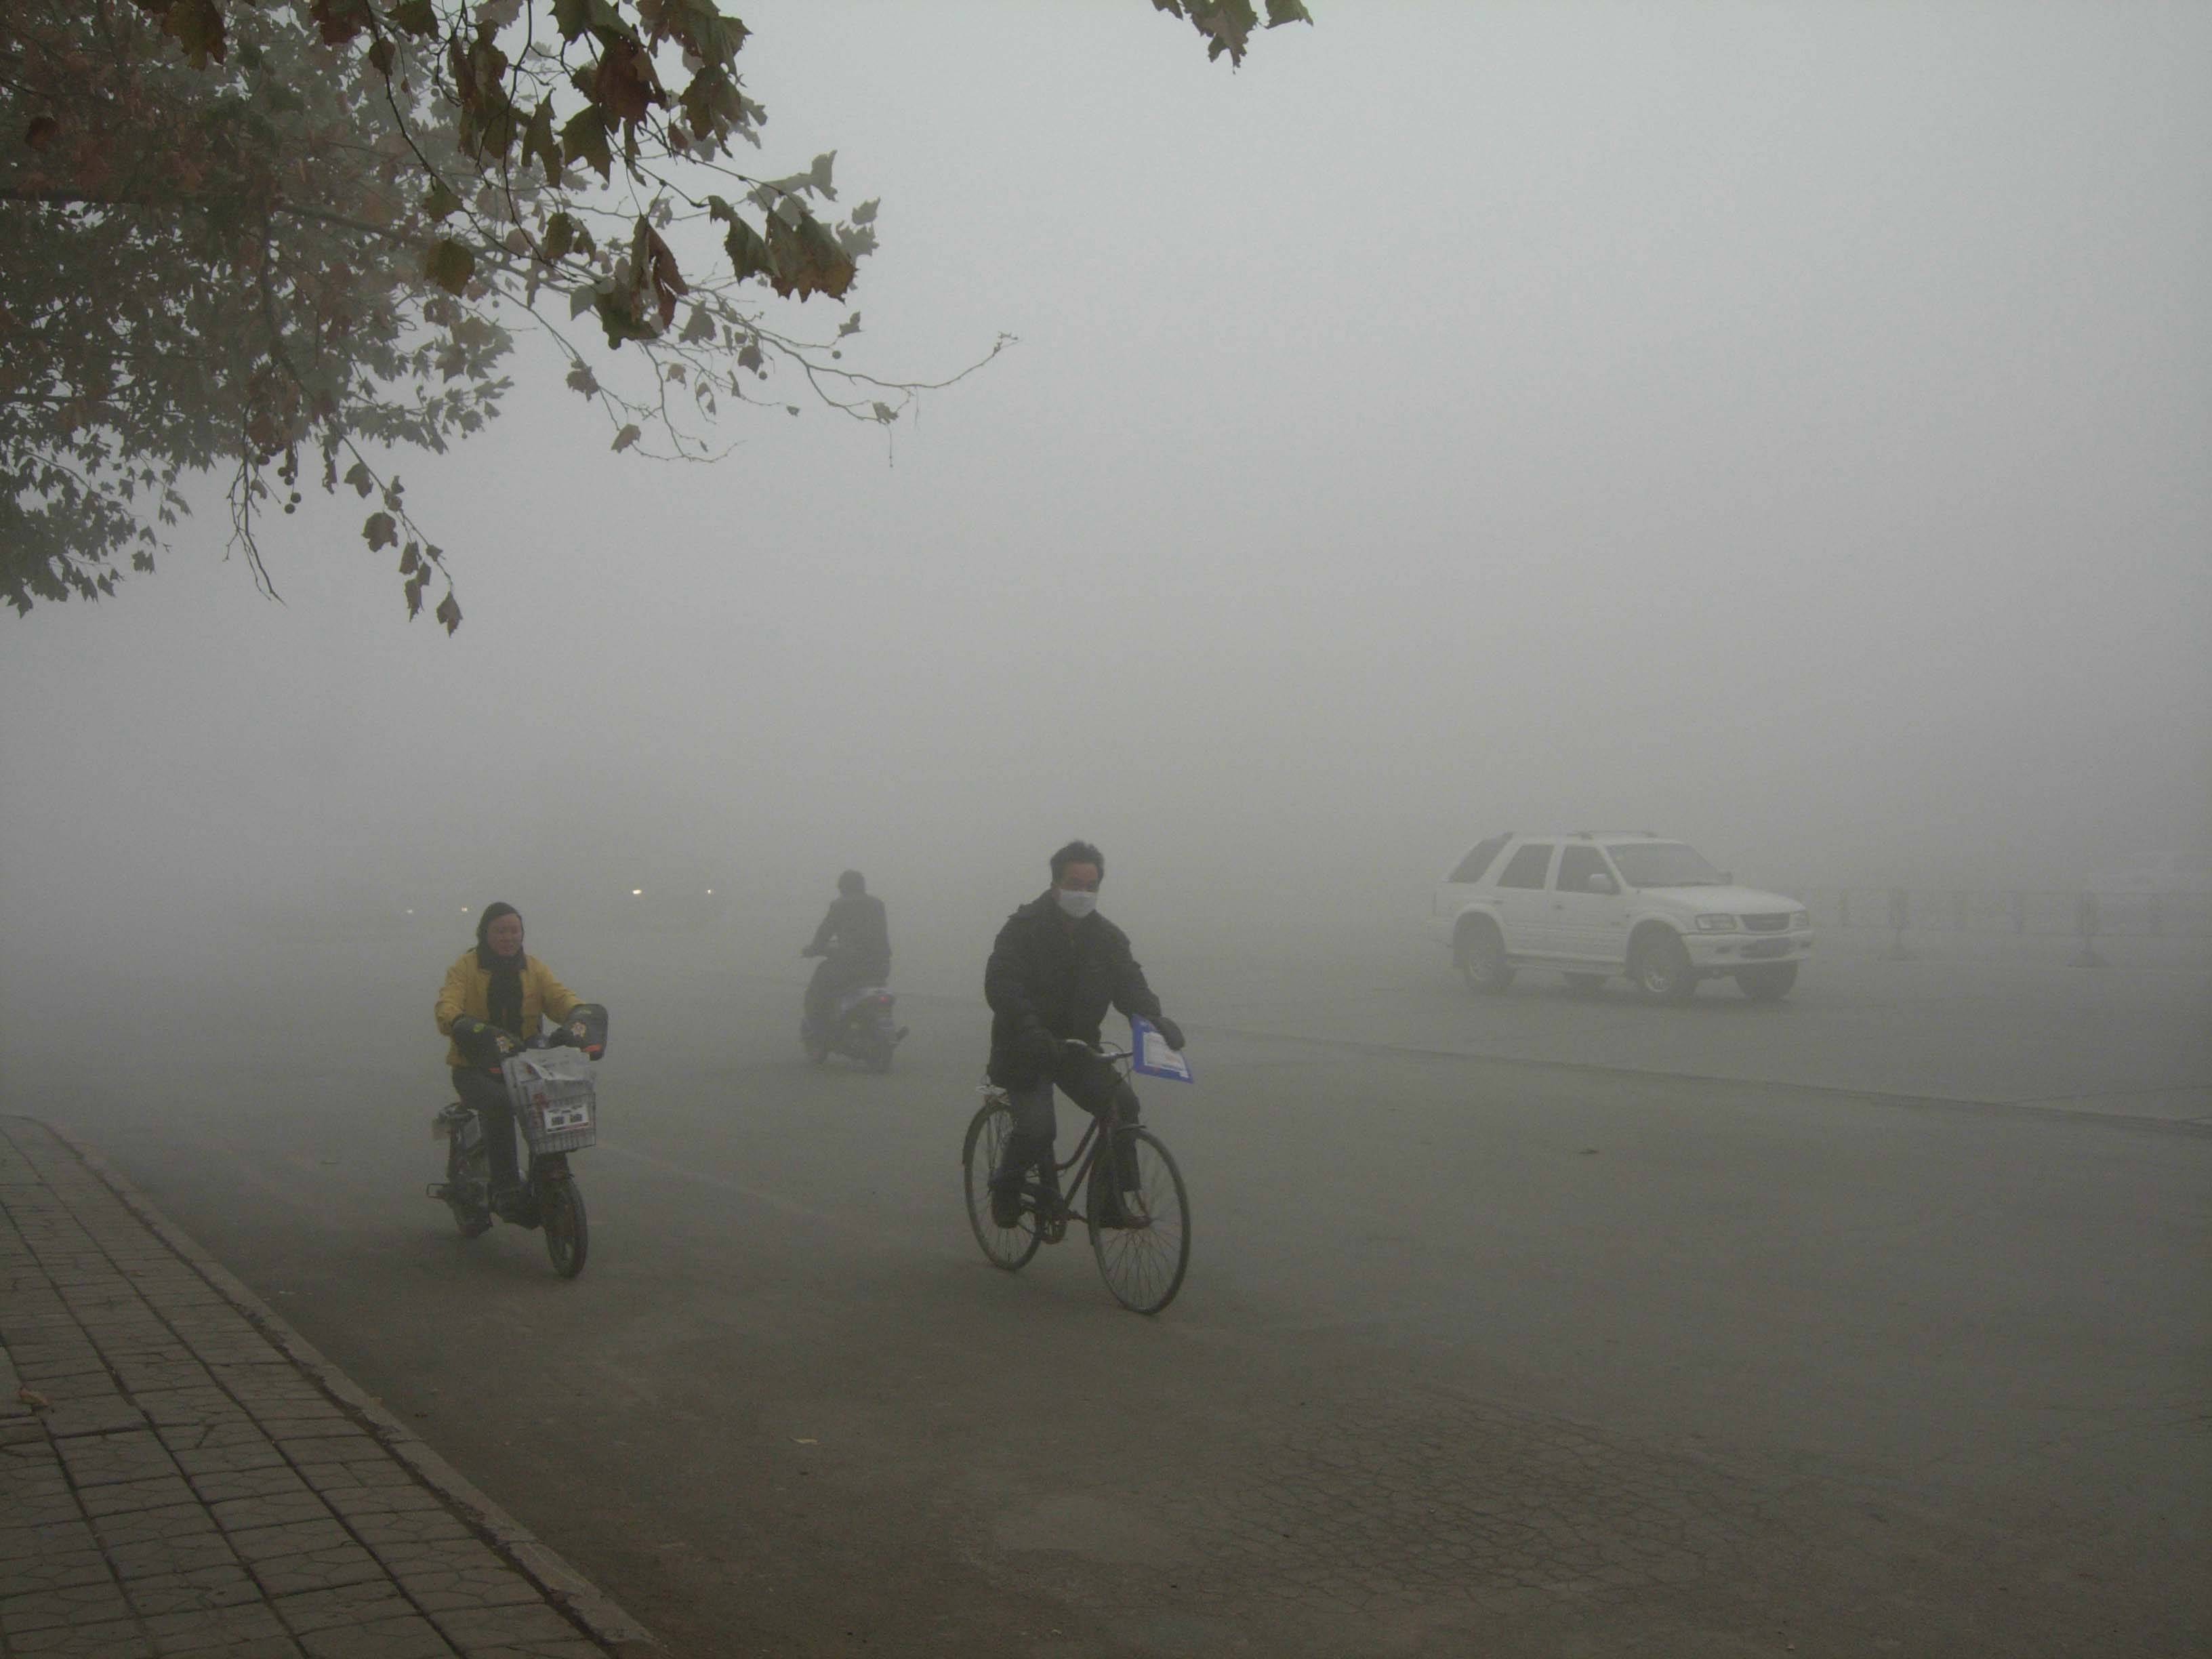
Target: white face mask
1075	904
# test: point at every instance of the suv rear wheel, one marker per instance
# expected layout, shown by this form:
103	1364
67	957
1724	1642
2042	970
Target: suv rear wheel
1482	957
1661	967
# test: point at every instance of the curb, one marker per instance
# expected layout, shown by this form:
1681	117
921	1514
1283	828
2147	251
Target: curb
564	1588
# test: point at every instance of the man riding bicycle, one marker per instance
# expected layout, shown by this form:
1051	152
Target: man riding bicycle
1056	967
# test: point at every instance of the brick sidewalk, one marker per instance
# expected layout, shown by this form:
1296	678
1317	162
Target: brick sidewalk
181	1474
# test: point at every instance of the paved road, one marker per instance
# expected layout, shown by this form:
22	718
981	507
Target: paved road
1988	1017
1475	1355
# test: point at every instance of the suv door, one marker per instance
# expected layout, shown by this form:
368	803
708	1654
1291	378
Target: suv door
1524	908
1592	925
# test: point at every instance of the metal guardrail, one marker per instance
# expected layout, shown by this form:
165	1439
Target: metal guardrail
2082	915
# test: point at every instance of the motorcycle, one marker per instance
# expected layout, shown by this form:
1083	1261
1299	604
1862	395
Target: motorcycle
859	1026
557	1109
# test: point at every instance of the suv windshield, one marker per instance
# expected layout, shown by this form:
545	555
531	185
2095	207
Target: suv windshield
1662	863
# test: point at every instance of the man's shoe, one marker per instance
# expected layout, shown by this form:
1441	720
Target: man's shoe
1006	1202
515	1203
1123	1210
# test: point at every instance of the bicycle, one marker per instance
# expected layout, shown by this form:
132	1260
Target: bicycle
1143	1258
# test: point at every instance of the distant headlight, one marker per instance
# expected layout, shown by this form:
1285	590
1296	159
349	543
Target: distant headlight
1717	924
1800	918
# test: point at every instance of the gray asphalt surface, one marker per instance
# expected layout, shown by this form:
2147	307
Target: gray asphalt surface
1476	1354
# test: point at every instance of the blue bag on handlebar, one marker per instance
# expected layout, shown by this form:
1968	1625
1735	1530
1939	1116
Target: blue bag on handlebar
1153	1057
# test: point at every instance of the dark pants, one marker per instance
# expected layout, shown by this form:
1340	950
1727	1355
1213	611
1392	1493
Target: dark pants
484	1093
832	979
1094	1086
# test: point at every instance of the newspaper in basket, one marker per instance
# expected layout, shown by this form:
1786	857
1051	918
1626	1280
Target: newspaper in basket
550	1090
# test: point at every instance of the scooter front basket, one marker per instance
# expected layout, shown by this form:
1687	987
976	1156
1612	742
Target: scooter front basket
554	1099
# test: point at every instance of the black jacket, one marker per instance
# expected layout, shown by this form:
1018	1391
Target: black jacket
856	935
1046	974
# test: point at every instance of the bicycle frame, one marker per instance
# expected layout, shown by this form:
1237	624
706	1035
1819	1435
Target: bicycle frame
1086	1153
1072	1175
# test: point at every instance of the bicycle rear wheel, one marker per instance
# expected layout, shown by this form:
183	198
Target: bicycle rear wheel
1010	1248
1142	1262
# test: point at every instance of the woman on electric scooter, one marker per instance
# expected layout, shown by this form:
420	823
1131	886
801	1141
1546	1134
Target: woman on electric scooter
493	1000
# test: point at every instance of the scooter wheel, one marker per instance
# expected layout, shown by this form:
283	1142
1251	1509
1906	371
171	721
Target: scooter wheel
568	1232
464	1190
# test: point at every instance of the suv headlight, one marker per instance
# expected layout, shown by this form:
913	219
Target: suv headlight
1717	924
1800	920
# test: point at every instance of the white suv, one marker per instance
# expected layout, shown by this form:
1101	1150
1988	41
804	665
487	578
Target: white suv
1593	905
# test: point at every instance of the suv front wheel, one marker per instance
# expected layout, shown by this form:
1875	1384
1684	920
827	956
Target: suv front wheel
1482	957
1660	969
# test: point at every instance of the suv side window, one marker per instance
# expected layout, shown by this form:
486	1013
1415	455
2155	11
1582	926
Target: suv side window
1526	866
1472	867
1577	865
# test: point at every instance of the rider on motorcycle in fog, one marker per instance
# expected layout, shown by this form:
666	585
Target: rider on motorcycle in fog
493	998
855	944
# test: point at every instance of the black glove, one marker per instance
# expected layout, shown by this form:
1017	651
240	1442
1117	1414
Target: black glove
592	1017
483	1039
1169	1030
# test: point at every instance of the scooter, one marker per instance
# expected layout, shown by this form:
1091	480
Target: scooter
559	1120
860	1027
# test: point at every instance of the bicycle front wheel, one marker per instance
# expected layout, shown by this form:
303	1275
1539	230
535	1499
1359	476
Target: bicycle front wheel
1010	1248
1143	1254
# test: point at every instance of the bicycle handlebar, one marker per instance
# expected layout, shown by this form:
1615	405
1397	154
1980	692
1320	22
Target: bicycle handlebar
1098	1051
561	1037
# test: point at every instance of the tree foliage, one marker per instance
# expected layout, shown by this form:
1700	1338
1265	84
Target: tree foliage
265	239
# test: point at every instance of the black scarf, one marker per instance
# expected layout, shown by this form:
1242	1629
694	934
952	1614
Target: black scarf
504	996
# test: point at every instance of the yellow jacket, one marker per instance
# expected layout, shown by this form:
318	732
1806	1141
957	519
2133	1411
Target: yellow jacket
468	991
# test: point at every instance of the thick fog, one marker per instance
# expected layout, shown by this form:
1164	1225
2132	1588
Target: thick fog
1782	425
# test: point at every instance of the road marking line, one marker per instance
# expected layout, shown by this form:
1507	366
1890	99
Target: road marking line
685	1172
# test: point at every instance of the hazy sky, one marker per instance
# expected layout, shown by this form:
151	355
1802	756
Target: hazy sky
1783	425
